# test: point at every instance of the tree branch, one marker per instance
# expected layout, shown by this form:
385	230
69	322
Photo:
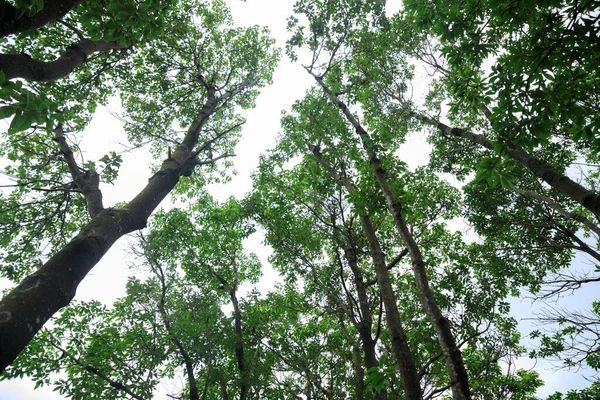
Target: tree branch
95	371
24	67
88	183
14	20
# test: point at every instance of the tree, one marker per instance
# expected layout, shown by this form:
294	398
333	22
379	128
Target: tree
195	261
308	216
363	241
330	43
203	95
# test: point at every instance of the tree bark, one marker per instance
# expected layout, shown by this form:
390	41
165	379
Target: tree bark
452	355
540	168
400	348
12	22
359	373
27	307
24	67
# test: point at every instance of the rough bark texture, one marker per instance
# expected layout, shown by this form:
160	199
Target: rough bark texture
12	22
24	67
402	353
452	355
400	348
359	374
539	168
27	307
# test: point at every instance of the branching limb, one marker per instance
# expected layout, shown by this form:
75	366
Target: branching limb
88	183
24	67
557	207
95	371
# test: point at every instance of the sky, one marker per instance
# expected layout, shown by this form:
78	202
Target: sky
106	282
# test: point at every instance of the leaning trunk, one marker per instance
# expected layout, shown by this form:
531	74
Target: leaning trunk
26	308
239	347
452	355
400	348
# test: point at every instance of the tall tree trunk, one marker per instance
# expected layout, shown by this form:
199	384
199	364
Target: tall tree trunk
223	384
540	168
239	347
166	319
359	374
365	325
237	317
400	348
452	355
25	309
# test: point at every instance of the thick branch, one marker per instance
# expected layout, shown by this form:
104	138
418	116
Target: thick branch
391	265
88	183
11	20
24	67
557	207
539	168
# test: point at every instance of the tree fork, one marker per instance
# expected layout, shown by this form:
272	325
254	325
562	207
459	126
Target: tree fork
27	307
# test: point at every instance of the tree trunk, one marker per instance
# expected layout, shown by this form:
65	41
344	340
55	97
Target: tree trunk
223	384
402	353
365	325
400	348
452	354
12	22
24	67
239	347
39	296
359	374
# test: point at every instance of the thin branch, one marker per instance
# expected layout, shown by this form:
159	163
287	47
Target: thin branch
95	371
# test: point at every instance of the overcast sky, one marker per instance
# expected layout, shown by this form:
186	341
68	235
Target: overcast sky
107	280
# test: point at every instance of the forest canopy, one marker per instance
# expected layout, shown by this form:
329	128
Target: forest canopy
394	280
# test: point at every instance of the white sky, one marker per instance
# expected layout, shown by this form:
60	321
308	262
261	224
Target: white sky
106	282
